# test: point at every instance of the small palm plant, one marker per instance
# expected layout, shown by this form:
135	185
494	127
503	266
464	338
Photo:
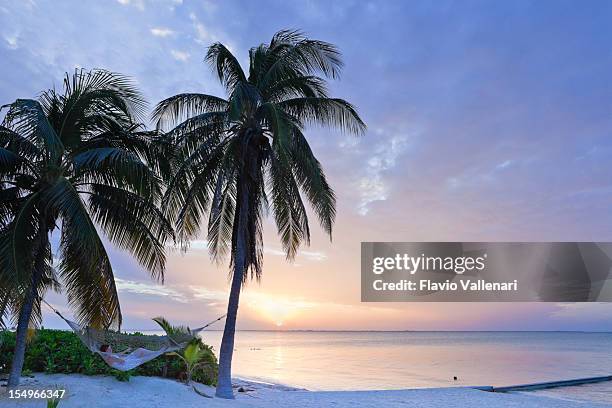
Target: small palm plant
194	355
171	331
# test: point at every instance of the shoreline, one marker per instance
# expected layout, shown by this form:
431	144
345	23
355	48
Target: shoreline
160	392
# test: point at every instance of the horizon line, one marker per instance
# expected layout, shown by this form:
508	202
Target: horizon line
368	331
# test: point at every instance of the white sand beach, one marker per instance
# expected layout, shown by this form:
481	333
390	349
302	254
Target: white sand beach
150	392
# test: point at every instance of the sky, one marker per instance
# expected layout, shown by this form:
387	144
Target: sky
487	121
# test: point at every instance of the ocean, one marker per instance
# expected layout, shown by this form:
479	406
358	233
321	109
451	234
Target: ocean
393	360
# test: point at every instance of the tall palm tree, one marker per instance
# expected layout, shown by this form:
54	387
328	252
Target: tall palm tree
74	162
239	156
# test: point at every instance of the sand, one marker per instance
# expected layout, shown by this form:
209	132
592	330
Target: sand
150	392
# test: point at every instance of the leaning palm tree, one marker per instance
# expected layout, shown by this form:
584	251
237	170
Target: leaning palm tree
239	156
74	162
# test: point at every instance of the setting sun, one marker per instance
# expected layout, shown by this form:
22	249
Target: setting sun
276	310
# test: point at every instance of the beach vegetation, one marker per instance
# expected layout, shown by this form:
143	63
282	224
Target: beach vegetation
53	403
62	352
194	356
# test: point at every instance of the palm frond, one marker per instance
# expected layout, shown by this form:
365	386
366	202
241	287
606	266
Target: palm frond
277	123
85	267
198	129
18	144
196	198
173	110
169	328
250	205
226	66
23	232
244	100
289	211
42	265
5	299
132	223
311	178
27	117
307	86
100	91
221	217
329	112
8	161
193	173
117	166
292	54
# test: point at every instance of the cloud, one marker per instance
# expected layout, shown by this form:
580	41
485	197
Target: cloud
11	41
199	244
313	256
180	55
196	244
178	293
161	32
504	165
373	187
206	35
305	255
595	310
203	36
150	289
139	4
478	175
202	293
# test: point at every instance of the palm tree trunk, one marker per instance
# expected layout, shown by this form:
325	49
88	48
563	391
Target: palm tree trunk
224	381
26	313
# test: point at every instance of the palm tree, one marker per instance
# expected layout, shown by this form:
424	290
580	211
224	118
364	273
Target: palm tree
74	162
239	156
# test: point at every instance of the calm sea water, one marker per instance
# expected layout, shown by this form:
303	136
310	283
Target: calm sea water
391	360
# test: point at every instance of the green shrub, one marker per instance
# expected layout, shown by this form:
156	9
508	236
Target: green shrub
53	403
59	351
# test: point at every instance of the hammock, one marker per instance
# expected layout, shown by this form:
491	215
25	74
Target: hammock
127	351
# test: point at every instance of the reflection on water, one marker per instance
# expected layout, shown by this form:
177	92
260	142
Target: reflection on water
385	360
278	359
600	392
